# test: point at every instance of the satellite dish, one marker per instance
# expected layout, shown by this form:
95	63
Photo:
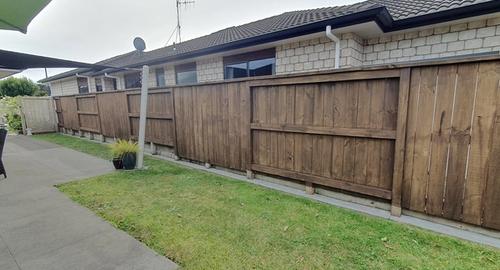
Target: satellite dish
139	44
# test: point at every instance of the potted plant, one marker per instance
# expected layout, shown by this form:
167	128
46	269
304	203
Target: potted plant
124	154
117	155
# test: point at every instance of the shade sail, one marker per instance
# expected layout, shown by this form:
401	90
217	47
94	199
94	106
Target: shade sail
17	14
15	60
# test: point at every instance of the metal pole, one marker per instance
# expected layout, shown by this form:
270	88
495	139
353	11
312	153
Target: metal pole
142	116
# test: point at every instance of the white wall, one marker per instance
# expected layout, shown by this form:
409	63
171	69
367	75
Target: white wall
67	86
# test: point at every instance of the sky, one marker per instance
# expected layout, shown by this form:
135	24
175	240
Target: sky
93	30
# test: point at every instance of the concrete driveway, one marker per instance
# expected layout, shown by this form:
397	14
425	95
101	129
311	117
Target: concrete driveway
40	228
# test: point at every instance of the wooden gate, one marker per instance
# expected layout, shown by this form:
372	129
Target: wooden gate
453	150
69	110
338	131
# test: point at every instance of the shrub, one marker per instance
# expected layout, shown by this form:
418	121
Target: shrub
122	147
10	109
13	86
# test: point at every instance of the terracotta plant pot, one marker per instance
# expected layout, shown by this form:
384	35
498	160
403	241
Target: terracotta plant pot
128	161
118	163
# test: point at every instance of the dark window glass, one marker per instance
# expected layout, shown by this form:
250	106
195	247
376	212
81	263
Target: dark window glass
83	85
160	77
98	85
259	63
133	80
110	83
261	67
186	74
234	71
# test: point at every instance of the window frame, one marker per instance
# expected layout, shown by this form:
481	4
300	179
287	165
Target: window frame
83	85
247	58
160	71
184	68
98	87
137	84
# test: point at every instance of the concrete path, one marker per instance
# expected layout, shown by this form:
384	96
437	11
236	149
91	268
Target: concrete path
40	228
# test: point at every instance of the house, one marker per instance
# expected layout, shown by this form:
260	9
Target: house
368	33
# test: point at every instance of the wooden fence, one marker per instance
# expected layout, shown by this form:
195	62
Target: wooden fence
38	114
424	137
116	115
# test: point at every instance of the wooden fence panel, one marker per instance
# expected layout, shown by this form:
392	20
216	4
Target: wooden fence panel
68	107
212	122
451	151
160	116
59	112
113	114
38	114
338	134
88	113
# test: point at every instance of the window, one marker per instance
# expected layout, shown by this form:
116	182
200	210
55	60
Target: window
133	80
186	73
98	84
83	85
252	64
160	77
110	83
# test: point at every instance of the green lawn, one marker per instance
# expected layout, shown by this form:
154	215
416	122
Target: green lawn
205	221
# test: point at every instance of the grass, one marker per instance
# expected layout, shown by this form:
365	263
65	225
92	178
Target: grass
205	221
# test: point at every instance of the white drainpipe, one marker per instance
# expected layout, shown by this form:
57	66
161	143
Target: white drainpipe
335	39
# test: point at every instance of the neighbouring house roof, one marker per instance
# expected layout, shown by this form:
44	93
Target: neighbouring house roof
390	15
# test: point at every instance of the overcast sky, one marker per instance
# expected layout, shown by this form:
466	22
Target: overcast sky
93	30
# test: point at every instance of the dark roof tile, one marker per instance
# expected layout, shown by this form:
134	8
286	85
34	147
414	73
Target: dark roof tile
398	9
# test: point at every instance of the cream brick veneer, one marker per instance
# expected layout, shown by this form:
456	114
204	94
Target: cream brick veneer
170	75
318	54
459	39
210	69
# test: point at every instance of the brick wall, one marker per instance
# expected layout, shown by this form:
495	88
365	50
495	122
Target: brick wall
318	54
170	75
459	39
210	69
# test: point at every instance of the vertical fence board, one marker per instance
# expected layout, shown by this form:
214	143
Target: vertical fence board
459	140
481	140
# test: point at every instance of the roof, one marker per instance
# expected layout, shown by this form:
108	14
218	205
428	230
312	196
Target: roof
390	15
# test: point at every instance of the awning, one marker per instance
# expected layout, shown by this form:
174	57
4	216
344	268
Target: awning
13	62
17	14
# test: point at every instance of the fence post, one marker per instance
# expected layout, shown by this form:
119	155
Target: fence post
399	151
143	115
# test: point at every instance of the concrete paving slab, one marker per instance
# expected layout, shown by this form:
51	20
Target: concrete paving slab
40	228
7	262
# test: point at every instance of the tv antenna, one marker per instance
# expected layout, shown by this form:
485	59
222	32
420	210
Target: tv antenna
177	30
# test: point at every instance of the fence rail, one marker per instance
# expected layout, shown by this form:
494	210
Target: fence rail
424	137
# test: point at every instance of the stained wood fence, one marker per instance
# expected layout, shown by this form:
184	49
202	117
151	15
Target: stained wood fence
425	137
116	115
